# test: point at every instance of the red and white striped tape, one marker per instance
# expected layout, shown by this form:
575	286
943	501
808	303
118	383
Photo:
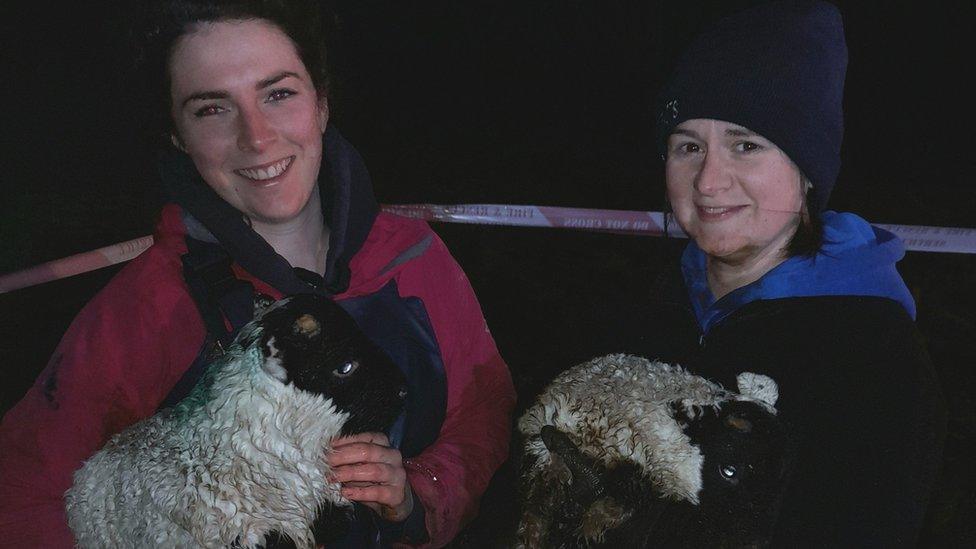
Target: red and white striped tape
917	238
75	264
616	221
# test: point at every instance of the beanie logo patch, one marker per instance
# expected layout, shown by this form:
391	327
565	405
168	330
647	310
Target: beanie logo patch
670	111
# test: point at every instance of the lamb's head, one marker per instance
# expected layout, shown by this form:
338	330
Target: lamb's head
747	458
310	341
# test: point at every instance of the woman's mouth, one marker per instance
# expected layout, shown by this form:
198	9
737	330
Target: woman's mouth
717	213
266	173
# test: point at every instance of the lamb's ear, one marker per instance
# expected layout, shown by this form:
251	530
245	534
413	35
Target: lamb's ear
758	387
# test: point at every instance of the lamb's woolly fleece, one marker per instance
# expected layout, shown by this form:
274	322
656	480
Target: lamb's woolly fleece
617	407
241	456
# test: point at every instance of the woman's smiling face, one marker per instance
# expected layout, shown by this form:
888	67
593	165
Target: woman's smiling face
246	111
733	191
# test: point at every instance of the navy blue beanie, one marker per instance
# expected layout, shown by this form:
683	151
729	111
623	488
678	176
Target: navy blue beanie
777	69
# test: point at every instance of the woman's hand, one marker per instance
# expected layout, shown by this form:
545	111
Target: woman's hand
372	473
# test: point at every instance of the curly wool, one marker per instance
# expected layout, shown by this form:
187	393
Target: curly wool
617	408
241	456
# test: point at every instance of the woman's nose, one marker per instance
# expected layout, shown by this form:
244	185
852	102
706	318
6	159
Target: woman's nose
255	132
713	175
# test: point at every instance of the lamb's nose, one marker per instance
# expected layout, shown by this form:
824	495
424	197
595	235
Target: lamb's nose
402	393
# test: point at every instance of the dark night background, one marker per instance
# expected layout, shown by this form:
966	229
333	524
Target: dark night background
540	102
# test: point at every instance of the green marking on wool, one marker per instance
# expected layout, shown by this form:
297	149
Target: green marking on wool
200	394
246	357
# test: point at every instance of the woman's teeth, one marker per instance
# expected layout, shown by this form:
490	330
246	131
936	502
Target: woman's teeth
261	174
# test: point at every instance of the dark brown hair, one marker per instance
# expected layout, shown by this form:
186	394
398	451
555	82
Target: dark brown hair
809	233
163	22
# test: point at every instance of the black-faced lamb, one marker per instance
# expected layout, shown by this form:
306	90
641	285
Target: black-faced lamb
244	454
621	451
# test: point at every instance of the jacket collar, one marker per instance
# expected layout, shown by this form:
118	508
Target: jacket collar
855	259
348	206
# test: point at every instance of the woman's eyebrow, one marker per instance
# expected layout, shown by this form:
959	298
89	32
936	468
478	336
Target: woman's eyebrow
739	132
681	131
203	96
275	79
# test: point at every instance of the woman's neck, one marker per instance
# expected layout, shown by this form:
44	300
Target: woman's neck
303	241
727	274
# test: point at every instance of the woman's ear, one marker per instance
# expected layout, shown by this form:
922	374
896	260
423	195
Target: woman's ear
177	142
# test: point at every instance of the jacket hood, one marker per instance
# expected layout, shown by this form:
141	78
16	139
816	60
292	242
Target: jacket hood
348	206
856	258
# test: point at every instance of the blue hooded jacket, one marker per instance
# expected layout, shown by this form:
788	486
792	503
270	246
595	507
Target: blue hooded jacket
855	259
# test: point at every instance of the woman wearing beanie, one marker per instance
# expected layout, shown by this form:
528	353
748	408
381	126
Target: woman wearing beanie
750	125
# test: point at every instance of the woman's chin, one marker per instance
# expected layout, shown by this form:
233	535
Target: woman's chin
726	249
273	215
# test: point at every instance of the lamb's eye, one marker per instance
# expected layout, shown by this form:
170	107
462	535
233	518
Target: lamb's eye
727	471
346	369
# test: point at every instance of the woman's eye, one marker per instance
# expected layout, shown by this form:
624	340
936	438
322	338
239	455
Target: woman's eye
687	148
346	369
747	146
208	110
279	94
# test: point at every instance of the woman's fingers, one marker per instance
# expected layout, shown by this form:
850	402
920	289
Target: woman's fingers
382	494
372	473
380	486
361	452
365	448
377	473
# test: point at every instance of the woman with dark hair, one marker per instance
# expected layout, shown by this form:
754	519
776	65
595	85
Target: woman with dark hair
750	126
267	200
